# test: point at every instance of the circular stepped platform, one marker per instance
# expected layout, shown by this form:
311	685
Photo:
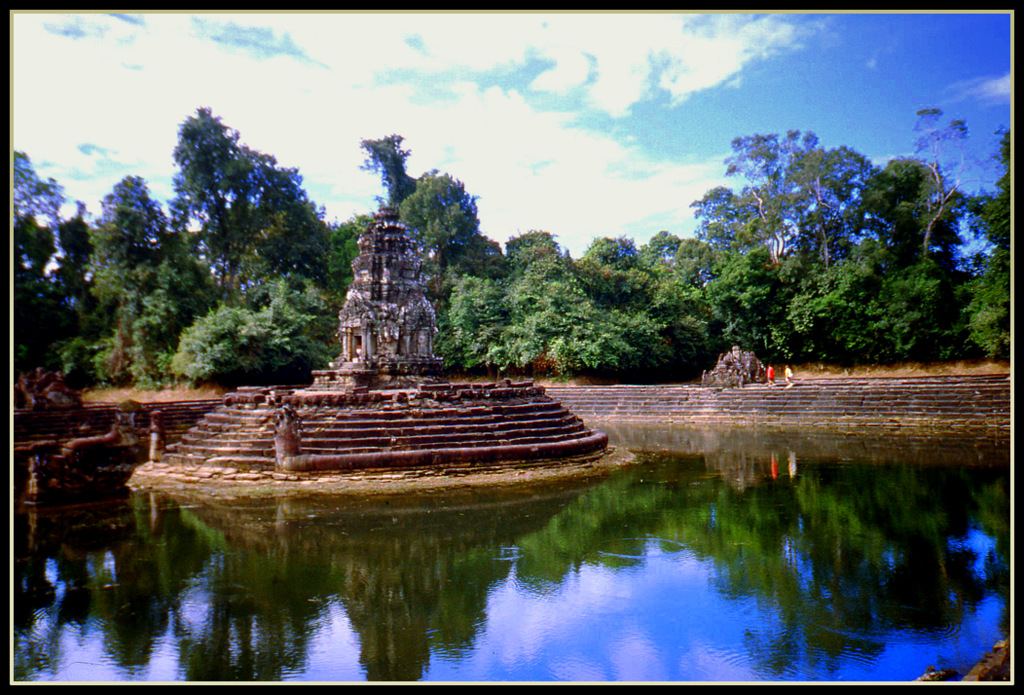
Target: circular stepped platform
439	423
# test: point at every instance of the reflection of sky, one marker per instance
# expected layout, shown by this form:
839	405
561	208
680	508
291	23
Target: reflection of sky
664	621
659	622
334	650
655	616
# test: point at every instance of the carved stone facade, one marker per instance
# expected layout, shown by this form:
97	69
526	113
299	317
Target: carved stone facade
387	324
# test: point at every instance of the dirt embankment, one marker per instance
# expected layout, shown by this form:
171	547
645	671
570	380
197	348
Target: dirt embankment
804	371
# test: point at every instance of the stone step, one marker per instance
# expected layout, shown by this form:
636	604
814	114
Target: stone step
211	450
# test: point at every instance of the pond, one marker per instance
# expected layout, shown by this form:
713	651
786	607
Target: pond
717	556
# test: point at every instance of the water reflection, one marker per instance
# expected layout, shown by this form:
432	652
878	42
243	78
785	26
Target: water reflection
711	559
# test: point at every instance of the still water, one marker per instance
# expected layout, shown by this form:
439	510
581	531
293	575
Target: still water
718	556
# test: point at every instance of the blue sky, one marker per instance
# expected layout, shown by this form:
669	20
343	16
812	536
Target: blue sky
583	125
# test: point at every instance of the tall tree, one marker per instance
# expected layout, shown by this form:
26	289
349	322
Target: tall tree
344	247
831	186
42	316
33	197
770	196
386	158
798	196
443	216
144	276
941	149
899	214
253	217
989	309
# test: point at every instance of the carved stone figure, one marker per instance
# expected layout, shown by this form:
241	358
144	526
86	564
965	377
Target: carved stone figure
157	435
735	369
43	390
287	434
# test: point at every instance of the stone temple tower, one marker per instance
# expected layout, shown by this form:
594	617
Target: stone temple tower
387	324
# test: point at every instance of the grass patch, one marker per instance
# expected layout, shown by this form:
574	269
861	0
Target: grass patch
176	393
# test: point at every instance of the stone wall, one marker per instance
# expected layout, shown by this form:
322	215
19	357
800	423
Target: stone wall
62	425
961	403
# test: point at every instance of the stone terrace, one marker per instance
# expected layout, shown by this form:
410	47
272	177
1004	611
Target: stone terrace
957	403
962	403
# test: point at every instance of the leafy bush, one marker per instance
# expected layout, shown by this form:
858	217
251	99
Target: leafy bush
281	342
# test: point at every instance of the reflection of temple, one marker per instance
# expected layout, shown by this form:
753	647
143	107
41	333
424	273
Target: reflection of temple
387	325
412	575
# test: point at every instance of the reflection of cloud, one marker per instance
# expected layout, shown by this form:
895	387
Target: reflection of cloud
635	657
578	668
703	662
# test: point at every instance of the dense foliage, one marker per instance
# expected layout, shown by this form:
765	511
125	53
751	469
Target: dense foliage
817	255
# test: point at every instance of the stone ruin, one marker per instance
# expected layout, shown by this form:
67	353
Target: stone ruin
387	324
82	468
382	403
735	369
43	390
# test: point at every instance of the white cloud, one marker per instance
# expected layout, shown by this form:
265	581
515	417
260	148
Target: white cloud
985	89
307	88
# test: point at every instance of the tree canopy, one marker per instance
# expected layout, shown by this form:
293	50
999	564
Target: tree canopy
816	255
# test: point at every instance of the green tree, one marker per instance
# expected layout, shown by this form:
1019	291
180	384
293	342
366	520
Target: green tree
145	281
721	220
386	158
443	216
660	250
278	342
989	308
614	276
42	314
695	261
33	197
836	316
899	214
748	301
535	249
343	241
769	200
831	186
471	334
74	239
798	196
253	217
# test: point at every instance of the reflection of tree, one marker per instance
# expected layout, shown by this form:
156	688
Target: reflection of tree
94	567
241	587
732	445
834	557
414	574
